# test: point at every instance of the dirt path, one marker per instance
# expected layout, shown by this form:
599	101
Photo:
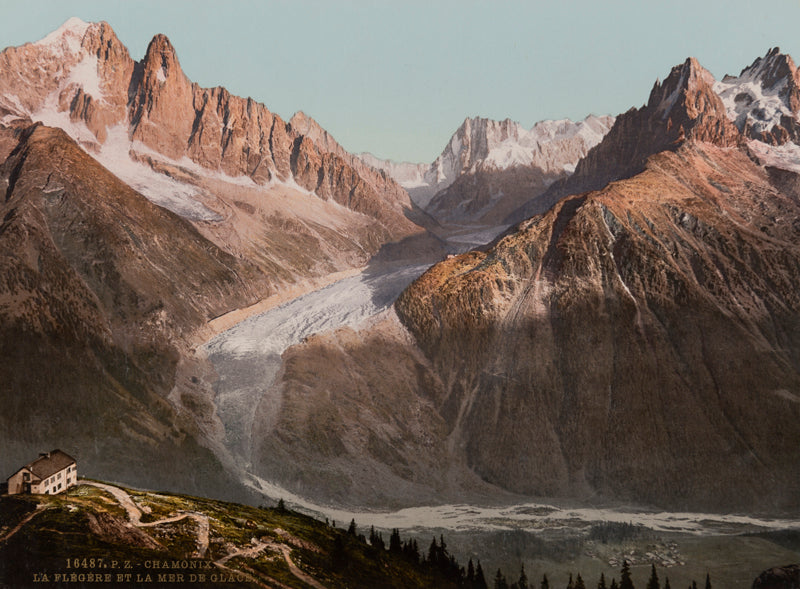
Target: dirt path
296	571
39	509
249	552
135	515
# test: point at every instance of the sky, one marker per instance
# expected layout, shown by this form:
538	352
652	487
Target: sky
397	78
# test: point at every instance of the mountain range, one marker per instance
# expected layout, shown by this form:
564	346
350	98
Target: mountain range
632	335
490	168
636	340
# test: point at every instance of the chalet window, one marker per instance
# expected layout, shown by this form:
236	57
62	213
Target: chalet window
59	475
26	476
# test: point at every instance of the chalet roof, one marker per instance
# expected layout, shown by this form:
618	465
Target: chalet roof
50	463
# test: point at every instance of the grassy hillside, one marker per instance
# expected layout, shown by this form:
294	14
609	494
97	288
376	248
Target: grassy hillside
86	537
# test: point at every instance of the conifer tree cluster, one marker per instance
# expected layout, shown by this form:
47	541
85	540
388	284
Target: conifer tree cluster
625	581
521	583
443	565
438	560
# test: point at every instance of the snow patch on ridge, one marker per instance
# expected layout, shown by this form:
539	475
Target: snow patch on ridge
66	38
50	115
747	101
786	156
84	74
12	103
178	197
750	102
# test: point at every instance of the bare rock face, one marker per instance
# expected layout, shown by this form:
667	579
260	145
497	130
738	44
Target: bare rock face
163	103
82	79
345	177
683	108
91	330
639	343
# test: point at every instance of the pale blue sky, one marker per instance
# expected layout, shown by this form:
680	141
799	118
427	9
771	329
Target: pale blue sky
396	78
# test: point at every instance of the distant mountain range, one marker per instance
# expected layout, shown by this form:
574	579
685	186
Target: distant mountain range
489	168
634	334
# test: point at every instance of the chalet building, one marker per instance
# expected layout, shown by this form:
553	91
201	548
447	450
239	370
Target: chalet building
51	473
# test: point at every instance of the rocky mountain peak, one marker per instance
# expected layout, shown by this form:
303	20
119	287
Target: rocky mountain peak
478	135
101	40
773	69
306	126
682	108
686	93
161	59
162	110
67	38
764	100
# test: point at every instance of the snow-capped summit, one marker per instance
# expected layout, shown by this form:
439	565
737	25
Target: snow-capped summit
485	147
66	37
764	100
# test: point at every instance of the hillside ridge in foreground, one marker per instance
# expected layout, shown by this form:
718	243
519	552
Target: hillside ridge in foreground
100	534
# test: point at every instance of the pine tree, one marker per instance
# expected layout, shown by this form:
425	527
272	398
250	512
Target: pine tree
579	584
352	528
500	581
570	584
470	573
625	581
614	583
708	581
602	583
433	553
411	550
480	580
653	583
374	539
522	583
694	585
666	583
395	543
545	582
